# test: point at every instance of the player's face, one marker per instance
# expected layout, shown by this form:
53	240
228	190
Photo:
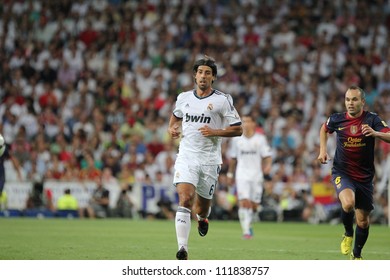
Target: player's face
248	125
354	102
204	77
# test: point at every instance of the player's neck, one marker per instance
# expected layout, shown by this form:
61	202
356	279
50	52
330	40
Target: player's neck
204	93
357	115
249	134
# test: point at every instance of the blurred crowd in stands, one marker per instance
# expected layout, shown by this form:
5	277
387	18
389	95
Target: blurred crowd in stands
87	87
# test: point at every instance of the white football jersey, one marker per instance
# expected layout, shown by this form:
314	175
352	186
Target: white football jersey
216	111
249	153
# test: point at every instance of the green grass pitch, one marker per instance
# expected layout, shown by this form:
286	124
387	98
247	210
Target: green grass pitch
121	239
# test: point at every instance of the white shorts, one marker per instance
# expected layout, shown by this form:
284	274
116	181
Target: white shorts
249	189
203	177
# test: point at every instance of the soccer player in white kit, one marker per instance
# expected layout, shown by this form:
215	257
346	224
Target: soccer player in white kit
250	159
201	117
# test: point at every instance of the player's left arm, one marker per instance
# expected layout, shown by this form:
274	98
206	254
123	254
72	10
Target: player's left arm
230	131
369	131
267	165
231	116
378	129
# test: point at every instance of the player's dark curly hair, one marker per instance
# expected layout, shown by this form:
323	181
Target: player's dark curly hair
208	61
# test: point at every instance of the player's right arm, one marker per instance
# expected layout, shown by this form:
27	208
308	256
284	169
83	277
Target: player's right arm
174	126
323	156
231	171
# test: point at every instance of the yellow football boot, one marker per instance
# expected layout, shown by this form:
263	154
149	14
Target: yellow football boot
346	245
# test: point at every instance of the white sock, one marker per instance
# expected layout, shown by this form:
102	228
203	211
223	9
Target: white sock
245	216
251	215
183	226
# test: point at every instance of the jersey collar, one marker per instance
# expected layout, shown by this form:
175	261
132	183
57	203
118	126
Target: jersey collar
202	97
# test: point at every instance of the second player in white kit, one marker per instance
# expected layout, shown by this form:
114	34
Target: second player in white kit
250	158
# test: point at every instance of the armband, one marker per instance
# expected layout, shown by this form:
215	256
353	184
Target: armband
267	177
229	175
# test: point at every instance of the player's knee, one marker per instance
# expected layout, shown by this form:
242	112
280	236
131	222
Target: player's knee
186	195
186	200
362	219
186	204
245	203
348	205
363	223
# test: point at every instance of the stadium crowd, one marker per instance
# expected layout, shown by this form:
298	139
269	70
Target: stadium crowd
87	87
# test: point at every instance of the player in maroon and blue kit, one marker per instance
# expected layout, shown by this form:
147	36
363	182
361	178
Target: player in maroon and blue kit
353	165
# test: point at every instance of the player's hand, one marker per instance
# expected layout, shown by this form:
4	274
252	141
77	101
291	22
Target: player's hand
174	131
206	131
323	158
368	131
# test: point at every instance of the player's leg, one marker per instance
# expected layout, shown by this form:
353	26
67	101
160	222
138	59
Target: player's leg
245	210
186	193
361	232
256	194
347	200
202	209
245	216
364	205
255	214
208	180
185	180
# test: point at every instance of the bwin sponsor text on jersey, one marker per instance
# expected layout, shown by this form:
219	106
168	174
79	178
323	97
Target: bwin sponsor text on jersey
198	119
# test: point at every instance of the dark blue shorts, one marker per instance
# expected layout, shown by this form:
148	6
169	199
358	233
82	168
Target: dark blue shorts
363	191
